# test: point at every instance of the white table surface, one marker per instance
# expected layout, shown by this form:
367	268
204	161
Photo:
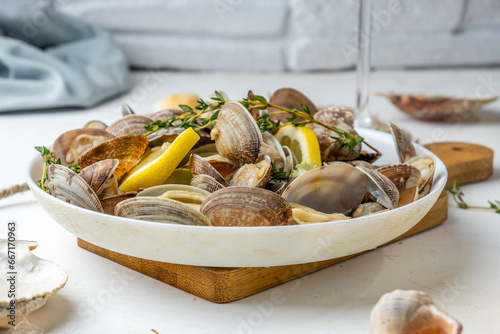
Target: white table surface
457	263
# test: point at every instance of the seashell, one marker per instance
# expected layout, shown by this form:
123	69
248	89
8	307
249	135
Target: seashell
305	215
129	125
186	194
328	189
36	279
437	108
335	114
98	173
164	114
405	178
290	160
67	186
271	147
200	166
163	135
368	208
236	135
329	146
253	175
173	101
426	166
370	157
127	149
405	148
160	210
206	182
126	110
360	163
70	145
410	312
244	206
289	98
109	203
95	125
381	188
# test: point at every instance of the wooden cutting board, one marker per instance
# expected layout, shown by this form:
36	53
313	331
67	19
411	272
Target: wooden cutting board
465	163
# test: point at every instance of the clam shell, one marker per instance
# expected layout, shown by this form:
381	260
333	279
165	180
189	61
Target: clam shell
333	115
236	135
253	175
426	165
405	148
328	189
243	206
381	188
160	210
37	279
369	208
109	203
289	98
437	108
405	178
98	173
200	166
127	149
178	192
70	145
129	125
67	186
410	312
163	115
206	182
95	125
305	215
126	110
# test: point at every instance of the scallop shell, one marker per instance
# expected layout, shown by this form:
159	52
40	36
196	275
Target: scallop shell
328	189
160	210
236	135
289	98
405	148
410	312
70	145
127	149
37	279
244	206
129	125
67	186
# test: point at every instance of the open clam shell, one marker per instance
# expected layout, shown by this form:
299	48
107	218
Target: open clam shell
206	182
236	135
381	188
200	166
37	279
404	146
427	166
406	178
437	108
253	175
98	173
70	145
127	149
129	125
67	186
160	210
244	206
305	215
109	203
328	189
289	98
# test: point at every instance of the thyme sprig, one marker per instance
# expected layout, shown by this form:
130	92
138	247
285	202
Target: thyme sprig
193	118
458	196
49	159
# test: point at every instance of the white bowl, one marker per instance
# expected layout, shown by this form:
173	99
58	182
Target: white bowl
244	246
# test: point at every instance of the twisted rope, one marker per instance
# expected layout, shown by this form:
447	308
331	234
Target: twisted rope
18	188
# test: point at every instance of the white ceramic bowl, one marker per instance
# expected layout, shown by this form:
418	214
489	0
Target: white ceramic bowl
243	246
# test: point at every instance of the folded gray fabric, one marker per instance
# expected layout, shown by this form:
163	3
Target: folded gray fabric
50	60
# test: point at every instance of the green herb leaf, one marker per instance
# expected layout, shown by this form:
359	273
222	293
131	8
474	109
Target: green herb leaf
187	109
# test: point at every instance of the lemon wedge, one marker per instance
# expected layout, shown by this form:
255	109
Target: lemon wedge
160	163
302	142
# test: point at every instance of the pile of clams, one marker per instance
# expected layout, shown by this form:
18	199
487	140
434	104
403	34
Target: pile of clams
228	178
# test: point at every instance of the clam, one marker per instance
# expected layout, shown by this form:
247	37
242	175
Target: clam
129	125
236	135
127	149
160	210
67	186
335	114
305	215
406	178
200	166
404	146
289	98
109	203
370	157
437	108
360	163
164	114
410	312
95	125
426	165
328	189
70	145
365	209
253	175
126	110
189	195
99	174
290	160
381	188
36	280
244	206
206	182
271	147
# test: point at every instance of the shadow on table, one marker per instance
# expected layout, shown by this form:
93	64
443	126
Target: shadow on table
55	312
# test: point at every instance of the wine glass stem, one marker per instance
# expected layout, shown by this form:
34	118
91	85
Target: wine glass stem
362	115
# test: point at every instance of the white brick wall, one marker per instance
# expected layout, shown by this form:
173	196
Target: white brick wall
295	35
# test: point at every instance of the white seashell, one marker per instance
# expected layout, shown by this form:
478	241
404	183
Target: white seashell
36	279
410	312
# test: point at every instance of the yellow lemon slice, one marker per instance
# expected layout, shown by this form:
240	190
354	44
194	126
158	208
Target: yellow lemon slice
302	142
160	163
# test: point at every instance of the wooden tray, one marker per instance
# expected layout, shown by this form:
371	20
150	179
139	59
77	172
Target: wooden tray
222	285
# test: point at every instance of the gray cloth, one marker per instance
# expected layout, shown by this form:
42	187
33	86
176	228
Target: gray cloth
51	60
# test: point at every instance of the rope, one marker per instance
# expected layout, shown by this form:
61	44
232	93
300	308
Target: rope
18	188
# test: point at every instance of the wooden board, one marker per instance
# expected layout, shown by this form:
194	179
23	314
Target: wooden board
465	163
